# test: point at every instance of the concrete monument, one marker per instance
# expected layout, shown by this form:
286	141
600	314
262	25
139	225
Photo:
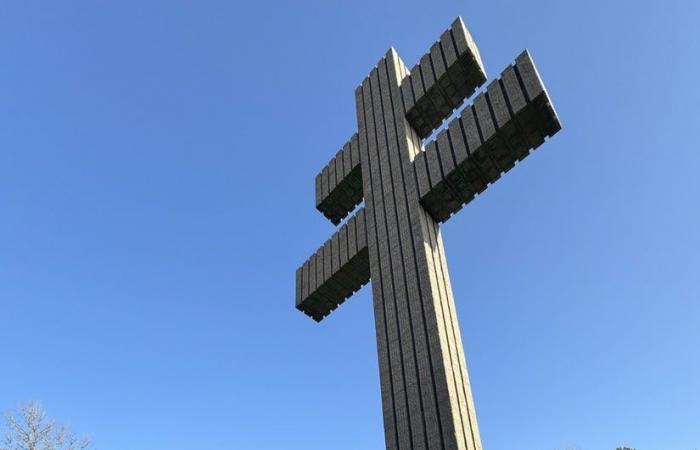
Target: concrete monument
411	179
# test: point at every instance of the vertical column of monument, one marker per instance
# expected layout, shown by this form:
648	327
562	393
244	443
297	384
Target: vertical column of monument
408	354
393	394
426	404
404	406
452	383
425	392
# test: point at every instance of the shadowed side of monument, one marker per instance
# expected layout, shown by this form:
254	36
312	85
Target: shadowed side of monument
339	184
338	269
503	124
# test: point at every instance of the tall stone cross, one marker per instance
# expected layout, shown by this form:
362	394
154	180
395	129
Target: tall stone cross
409	187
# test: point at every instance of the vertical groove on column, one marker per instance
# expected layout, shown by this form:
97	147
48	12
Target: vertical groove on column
466	385
401	128
386	266
429	226
438	334
469	404
414	148
447	317
384	356
456	347
443	392
392	162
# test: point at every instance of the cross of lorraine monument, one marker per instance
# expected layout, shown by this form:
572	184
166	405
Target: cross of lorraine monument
408	189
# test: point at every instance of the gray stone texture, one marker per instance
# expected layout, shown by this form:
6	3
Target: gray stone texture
395	239
435	87
339	184
338	269
512	117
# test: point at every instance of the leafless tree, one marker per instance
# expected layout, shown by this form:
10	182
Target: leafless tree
29	429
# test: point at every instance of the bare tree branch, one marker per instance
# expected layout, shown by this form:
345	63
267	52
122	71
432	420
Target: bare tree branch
28	428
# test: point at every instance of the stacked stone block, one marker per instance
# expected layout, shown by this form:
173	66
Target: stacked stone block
504	123
339	184
446	75
338	269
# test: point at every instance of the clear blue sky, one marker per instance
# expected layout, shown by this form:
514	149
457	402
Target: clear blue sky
157	163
